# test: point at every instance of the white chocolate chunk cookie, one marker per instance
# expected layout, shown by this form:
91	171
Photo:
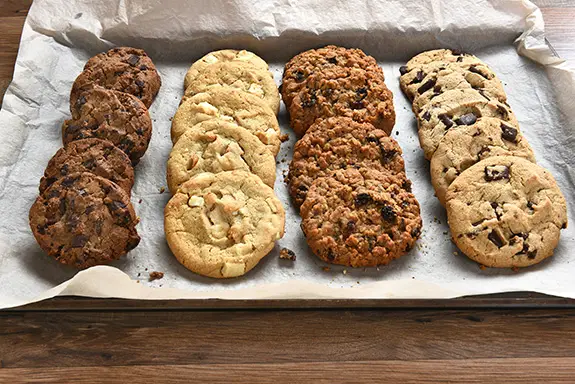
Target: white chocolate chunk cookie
506	212
221	225
247	111
466	145
238	75
216	146
454	108
225	55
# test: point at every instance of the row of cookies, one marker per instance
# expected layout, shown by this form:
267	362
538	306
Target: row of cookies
347	174
224	217
503	209
83	216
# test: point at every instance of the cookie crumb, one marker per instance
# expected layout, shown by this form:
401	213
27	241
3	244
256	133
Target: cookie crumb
287	254
326	269
344	272
482	267
162	189
515	269
156	275
140	201
284	137
455	253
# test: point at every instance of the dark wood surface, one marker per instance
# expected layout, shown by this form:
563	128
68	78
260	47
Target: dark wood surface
464	340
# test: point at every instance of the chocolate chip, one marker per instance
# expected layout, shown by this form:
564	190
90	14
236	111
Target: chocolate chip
445	120
299	76
530	205
485	149
310	101
64	170
126	144
403	70
387	155
143	68
459	59
406	185
388	214
41	229
332	60
81	101
330	255
426	115
362	199
349	229
495	206
361	93
467	119
496	172
90	163
115	205
508	133
139	83
496	239
474	69
532	254
79	241
371	139
456	52
419	76
140	131
415	232
426	86
68	181
133	60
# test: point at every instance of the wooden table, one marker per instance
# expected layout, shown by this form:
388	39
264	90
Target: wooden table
89	341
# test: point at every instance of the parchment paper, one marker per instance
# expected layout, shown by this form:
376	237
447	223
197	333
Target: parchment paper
59	36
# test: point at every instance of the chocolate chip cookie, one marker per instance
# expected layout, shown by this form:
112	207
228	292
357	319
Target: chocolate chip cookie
339	143
300	67
84	220
456	108
111	115
240	75
95	156
506	212
216	146
360	218
466	145
244	109
343	91
123	69
226	55
221	225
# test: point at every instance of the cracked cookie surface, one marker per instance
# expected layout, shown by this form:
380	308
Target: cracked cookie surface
221	225
216	146
84	220
225	55
360	218
124	69
110	115
240	75
100	157
506	211
339	143
456	108
466	145
246	110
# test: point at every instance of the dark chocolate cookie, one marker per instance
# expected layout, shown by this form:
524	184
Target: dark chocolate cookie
84	220
96	156
342	91
300	67
111	115
360	218
123	69
339	143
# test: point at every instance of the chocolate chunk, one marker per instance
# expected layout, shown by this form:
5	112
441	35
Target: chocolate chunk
495	206
496	172
403	70
457	52
415	232
426	115
467	119
474	69
426	86
139	83
362	199
508	133
485	149
445	120
406	185
459	59
68	181
419	76
532	254
133	60
330	255
79	241
371	139
564	226
388	214
299	76
530	205
41	229
361	93
332	60
143	67
496	239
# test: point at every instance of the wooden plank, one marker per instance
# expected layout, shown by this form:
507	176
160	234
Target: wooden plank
560	30
68	339
530	370
16	8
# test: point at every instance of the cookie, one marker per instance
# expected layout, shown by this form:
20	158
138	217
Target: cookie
339	143
300	67
451	76
242	76
216	146
226	55
95	156
437	55
111	115
246	110
466	145
84	220
221	225
454	108
342	91
506	212
360	218
122	69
